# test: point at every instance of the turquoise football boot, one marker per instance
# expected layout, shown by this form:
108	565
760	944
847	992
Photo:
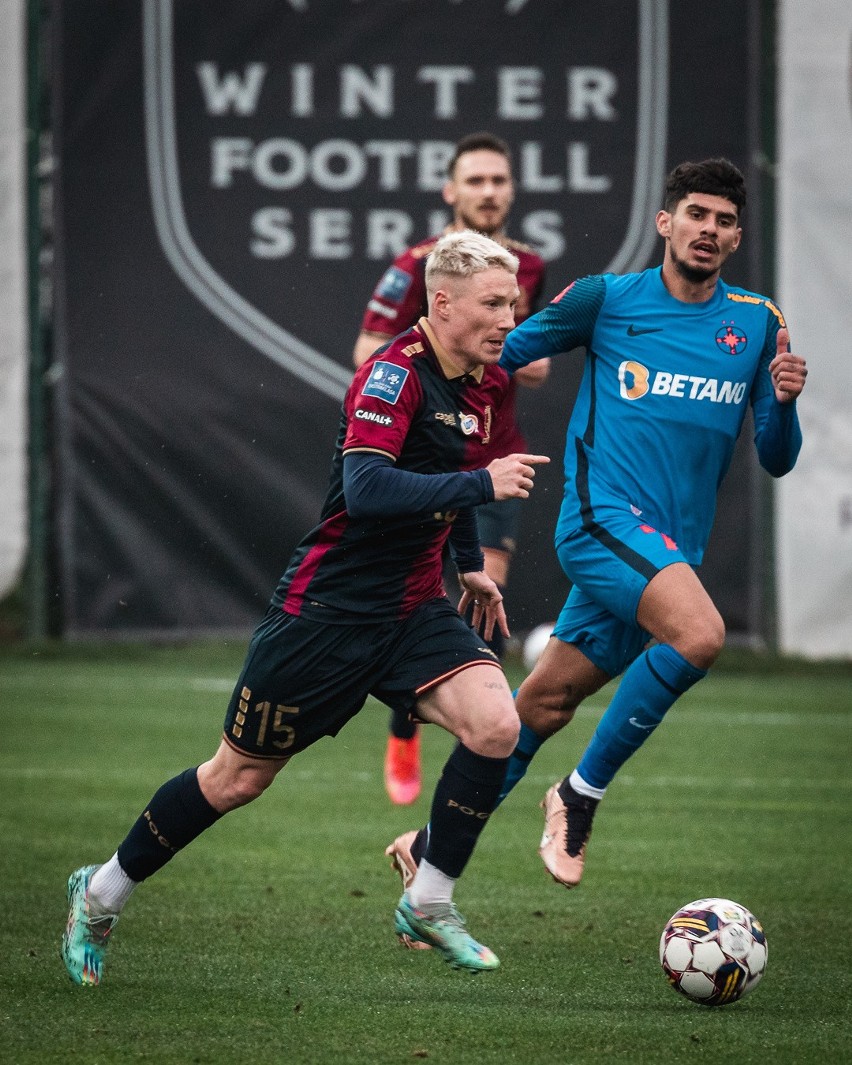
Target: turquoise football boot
446	932
86	936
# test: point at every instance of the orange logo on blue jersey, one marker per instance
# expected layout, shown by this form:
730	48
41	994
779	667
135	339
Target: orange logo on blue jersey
633	380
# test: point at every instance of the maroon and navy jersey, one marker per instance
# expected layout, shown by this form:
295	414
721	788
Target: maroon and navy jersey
399	300
410	404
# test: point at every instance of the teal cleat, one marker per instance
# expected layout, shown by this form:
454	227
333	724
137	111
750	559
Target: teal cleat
407	936
446	933
402	860
86	936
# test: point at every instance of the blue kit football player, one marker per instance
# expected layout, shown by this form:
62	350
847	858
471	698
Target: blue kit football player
674	357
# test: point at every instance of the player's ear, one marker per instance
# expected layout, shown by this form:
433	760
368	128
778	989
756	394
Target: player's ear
664	223
441	303
448	192
737	239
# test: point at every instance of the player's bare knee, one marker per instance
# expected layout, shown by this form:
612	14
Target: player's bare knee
503	735
248	787
508	732
230	791
494	737
703	644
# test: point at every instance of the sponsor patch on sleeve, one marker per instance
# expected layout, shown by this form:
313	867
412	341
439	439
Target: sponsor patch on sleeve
380	308
394	285
373	416
385	382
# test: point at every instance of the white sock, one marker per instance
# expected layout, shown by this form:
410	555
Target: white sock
431	889
110	887
582	788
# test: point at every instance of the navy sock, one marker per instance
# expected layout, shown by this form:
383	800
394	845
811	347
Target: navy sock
421	842
176	814
402	726
648	689
464	799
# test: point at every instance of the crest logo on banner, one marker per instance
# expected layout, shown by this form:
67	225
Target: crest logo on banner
286	171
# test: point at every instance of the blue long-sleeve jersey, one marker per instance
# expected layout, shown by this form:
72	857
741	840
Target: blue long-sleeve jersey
663	397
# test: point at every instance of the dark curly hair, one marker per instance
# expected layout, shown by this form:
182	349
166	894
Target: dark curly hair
714	177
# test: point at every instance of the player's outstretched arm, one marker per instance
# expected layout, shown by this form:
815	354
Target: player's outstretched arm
373	487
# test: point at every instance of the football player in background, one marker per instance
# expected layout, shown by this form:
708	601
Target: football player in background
480	190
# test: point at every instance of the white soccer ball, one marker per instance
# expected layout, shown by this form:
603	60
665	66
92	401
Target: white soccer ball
535	643
713	951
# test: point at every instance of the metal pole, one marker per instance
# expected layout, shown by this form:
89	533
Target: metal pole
762	608
36	577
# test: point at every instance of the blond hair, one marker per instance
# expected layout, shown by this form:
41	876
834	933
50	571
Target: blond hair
464	253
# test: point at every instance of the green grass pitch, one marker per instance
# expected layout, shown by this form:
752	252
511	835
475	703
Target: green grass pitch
270	938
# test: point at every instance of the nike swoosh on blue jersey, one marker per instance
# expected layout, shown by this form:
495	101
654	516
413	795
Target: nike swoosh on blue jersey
632	331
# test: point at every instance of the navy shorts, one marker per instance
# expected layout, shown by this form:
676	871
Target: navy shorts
302	680
609	570
498	524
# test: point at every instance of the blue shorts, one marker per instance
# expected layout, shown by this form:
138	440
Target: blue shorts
302	680
610	562
498	524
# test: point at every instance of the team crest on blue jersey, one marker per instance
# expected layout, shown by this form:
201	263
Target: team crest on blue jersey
394	285
385	382
468	423
731	339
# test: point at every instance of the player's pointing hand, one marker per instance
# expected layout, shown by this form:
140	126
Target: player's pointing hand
513	475
788	371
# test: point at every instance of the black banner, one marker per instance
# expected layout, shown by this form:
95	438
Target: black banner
232	181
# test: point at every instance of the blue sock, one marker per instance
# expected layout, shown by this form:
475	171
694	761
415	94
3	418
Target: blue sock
528	744
649	687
